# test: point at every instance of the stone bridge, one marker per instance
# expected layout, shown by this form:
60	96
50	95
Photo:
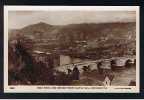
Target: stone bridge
93	64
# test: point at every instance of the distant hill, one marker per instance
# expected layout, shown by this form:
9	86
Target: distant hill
101	31
97	35
83	31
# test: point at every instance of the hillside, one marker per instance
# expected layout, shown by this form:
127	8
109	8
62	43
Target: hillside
103	36
84	31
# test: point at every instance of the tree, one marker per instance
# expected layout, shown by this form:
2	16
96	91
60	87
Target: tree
113	63
28	69
100	70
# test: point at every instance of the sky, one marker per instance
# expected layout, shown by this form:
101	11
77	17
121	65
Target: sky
20	19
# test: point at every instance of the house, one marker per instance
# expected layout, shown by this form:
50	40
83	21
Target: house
48	58
39	56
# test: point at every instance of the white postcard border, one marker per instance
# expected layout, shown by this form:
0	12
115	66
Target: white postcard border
69	89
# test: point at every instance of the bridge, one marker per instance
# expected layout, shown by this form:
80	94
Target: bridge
93	64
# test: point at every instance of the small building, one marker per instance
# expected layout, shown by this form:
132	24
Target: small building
39	56
48	58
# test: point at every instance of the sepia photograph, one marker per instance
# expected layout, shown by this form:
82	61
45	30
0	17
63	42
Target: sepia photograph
71	48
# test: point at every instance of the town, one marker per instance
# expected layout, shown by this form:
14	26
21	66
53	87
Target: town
55	65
